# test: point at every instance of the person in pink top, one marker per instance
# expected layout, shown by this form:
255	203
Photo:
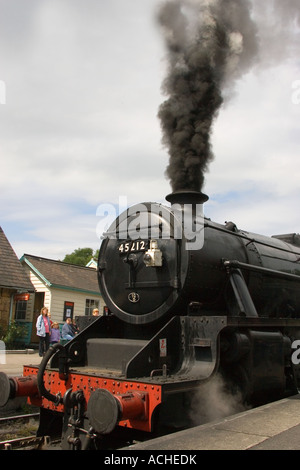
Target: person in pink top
43	330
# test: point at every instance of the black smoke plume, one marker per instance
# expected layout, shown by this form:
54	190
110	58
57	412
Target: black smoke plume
210	43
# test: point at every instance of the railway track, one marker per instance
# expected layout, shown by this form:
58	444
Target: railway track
19	432
25	443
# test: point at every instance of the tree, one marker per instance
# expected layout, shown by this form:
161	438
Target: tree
12	334
81	256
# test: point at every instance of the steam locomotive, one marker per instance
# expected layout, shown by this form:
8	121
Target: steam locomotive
186	299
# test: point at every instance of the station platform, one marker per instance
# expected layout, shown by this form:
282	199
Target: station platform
12	362
275	426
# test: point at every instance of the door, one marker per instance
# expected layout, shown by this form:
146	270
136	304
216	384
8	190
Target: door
39	299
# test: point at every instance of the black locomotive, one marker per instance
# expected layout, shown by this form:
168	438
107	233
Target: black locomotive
186	299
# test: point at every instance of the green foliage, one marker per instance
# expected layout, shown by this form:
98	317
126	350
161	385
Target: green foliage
81	256
12	333
2	332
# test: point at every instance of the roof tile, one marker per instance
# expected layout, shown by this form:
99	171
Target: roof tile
60	274
12	273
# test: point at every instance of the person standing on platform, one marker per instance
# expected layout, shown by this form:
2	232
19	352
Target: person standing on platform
43	330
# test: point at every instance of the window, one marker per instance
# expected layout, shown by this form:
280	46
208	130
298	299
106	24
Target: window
21	306
90	304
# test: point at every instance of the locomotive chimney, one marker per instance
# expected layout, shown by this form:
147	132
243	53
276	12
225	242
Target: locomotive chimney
187	197
189	208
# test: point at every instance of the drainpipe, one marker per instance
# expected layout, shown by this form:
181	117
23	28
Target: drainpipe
11	307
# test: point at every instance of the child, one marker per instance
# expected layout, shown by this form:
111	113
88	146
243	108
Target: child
55	333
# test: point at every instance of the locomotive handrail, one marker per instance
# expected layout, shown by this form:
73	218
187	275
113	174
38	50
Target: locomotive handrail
40	376
250	267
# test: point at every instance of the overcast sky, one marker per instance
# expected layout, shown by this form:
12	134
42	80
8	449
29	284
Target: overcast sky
80	88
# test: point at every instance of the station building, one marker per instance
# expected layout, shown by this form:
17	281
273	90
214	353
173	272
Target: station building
28	284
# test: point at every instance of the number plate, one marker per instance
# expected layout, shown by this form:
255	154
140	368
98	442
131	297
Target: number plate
133	246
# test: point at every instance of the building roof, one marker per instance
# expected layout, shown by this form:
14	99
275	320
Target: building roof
63	275
12	273
92	264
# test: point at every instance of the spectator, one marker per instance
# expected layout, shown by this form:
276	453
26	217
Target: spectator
95	312
49	316
67	331
43	330
75	327
55	333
